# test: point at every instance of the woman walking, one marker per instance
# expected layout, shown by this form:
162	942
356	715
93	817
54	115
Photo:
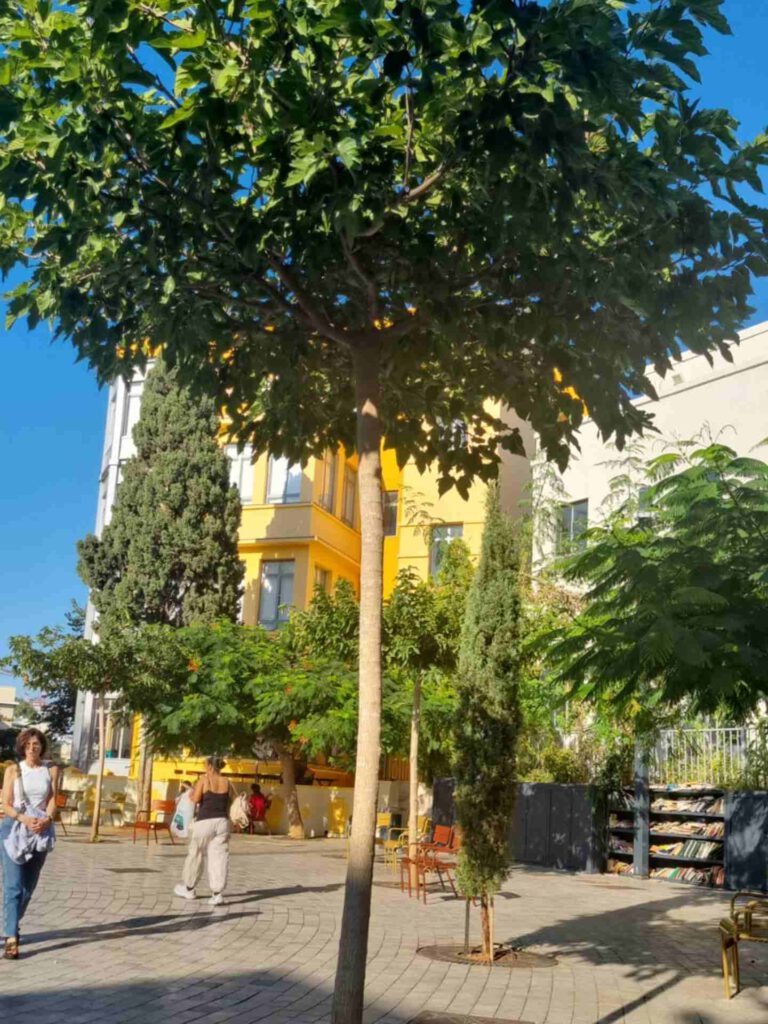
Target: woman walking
26	831
209	834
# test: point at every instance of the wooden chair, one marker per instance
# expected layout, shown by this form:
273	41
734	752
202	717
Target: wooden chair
145	823
432	858
747	923
442	837
63	804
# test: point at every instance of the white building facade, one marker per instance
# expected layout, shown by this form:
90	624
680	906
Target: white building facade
123	407
722	401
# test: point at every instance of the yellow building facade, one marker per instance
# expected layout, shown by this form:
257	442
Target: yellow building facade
300	528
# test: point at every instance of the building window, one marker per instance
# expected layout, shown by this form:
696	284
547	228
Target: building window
453	434
119	730
284	483
241	471
442	536
323	579
573	524
644	507
328	493
131	408
276	593
350	495
390	500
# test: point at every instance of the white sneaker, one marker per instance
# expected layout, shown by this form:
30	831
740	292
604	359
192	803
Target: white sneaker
184	892
215	900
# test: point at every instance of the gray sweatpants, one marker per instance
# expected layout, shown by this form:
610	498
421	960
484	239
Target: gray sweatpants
209	838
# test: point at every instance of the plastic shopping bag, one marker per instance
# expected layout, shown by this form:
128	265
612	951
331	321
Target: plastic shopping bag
183	816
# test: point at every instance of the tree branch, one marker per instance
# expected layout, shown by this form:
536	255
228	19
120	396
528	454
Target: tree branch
307	304
409	196
409	140
371	290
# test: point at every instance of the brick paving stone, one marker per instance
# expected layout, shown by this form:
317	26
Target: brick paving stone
106	942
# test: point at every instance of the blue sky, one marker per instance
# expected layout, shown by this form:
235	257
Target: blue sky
52	412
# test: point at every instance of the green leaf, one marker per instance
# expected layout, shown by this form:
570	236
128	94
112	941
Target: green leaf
182	113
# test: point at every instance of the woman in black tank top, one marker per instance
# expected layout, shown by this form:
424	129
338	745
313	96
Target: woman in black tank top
213	805
209	834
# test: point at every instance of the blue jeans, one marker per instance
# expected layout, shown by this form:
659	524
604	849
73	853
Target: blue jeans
19	881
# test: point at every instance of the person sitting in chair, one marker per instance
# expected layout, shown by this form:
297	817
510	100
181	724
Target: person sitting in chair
258	805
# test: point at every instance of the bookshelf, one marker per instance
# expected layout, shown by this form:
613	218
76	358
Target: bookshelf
621	833
687	835
675	834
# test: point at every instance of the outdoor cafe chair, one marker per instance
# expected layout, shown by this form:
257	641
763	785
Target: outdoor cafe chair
746	923
146	823
63	804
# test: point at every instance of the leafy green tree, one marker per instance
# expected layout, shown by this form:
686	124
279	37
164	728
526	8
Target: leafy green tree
488	716
353	221
239	690
676	593
122	659
57	713
169	553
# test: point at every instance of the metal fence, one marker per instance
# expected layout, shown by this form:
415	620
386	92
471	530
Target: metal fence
701	755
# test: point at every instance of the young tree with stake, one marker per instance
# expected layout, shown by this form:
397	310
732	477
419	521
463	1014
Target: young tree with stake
488	716
350	221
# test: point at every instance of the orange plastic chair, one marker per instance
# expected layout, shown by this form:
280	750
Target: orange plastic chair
63	804
145	823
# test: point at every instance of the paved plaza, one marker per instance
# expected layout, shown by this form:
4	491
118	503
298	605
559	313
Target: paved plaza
105	941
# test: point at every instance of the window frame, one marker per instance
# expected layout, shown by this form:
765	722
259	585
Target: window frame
286	498
350	475
240	468
322	579
390	504
567	538
279	620
435	545
330	463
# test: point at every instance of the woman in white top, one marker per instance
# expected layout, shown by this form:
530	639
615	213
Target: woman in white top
29	796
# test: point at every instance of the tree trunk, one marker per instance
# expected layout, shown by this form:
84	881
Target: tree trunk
144	774
100	772
413	783
288	768
353	942
485	926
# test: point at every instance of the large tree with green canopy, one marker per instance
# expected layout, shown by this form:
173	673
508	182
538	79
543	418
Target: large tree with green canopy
355	220
168	555
675	591
169	552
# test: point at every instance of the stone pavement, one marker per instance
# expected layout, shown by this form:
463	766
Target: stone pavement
106	941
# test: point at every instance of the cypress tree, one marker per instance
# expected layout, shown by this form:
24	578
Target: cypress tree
169	553
488	718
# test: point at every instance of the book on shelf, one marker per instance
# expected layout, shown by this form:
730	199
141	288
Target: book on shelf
691	827
619	845
690	804
714	876
620	821
620	867
688	849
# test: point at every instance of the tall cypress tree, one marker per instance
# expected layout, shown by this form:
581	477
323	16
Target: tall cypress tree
488	718
169	552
